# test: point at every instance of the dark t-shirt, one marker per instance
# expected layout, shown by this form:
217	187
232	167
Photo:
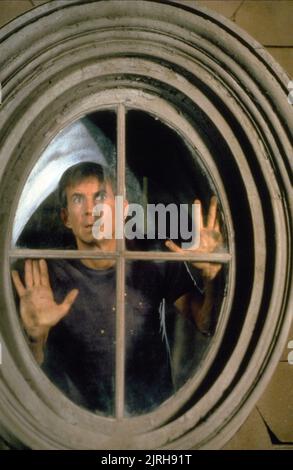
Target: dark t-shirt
80	351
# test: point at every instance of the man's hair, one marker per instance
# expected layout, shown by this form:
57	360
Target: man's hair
77	173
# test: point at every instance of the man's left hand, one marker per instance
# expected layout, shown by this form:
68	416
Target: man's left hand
210	240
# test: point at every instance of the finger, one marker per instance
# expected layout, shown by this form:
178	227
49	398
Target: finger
17	283
67	302
197	203
28	273
36	273
173	247
217	225
44	273
212	214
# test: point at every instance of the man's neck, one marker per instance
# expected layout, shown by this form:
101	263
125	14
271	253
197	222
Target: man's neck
99	246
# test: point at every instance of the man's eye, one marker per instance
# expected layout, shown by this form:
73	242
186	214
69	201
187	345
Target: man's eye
77	199
101	196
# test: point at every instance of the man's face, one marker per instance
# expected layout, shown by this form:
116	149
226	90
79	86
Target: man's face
81	200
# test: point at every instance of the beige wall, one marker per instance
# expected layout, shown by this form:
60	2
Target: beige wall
270	425
267	21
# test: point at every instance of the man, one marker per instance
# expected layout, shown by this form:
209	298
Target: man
68	309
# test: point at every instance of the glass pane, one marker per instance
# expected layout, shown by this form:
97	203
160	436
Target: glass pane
70	178
69	319
170	319
165	177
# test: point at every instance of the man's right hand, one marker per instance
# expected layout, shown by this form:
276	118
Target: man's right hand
38	310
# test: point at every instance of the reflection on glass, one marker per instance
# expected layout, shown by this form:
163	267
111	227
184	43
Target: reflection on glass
69	316
170	318
38	222
167	177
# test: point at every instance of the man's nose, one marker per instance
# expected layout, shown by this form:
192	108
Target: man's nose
89	206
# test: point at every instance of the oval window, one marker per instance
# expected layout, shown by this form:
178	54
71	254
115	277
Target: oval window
166	310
